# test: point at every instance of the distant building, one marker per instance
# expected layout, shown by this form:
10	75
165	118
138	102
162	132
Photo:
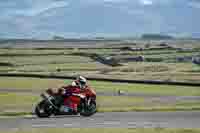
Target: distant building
132	59
184	59
131	49
196	60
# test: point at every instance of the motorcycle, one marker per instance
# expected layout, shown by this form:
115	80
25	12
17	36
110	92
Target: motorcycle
52	104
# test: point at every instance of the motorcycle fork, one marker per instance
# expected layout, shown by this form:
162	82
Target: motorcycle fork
88	101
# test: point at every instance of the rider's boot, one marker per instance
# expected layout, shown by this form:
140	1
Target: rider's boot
65	109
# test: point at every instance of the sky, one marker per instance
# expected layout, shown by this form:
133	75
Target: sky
74	18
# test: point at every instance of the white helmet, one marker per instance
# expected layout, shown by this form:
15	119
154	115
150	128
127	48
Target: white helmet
81	81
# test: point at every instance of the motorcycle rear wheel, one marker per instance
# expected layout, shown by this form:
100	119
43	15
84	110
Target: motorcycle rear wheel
41	109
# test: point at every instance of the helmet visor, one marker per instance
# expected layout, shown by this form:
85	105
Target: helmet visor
82	82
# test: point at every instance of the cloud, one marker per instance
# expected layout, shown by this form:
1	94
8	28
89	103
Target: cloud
37	17
146	2
40	8
194	3
117	1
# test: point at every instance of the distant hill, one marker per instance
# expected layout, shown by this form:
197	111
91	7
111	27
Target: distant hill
156	36
58	38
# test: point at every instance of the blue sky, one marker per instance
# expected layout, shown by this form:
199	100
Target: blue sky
70	18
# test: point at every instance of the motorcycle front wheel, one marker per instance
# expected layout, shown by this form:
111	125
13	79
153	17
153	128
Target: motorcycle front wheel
90	110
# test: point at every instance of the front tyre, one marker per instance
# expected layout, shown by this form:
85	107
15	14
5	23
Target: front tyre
42	109
89	110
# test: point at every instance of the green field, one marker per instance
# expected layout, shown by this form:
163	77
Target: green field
42	84
78	61
106	130
17	102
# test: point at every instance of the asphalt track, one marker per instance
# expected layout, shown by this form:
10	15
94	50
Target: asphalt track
109	120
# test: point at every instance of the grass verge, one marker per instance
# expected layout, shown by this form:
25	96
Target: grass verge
42	84
12	114
107	130
16	101
21	104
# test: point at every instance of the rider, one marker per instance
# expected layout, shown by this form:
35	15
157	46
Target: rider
76	88
80	82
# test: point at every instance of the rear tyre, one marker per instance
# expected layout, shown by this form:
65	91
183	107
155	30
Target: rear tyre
42	109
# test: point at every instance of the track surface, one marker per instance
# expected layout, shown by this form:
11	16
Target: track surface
110	120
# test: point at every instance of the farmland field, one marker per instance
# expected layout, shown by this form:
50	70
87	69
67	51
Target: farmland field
171	62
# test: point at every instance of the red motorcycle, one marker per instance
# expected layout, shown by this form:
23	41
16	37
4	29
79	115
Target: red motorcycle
53	103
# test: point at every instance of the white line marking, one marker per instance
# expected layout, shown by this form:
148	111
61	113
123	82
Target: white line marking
44	125
111	123
99	123
149	124
68	125
132	123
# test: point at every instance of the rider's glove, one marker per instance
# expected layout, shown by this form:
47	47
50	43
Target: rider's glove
79	95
